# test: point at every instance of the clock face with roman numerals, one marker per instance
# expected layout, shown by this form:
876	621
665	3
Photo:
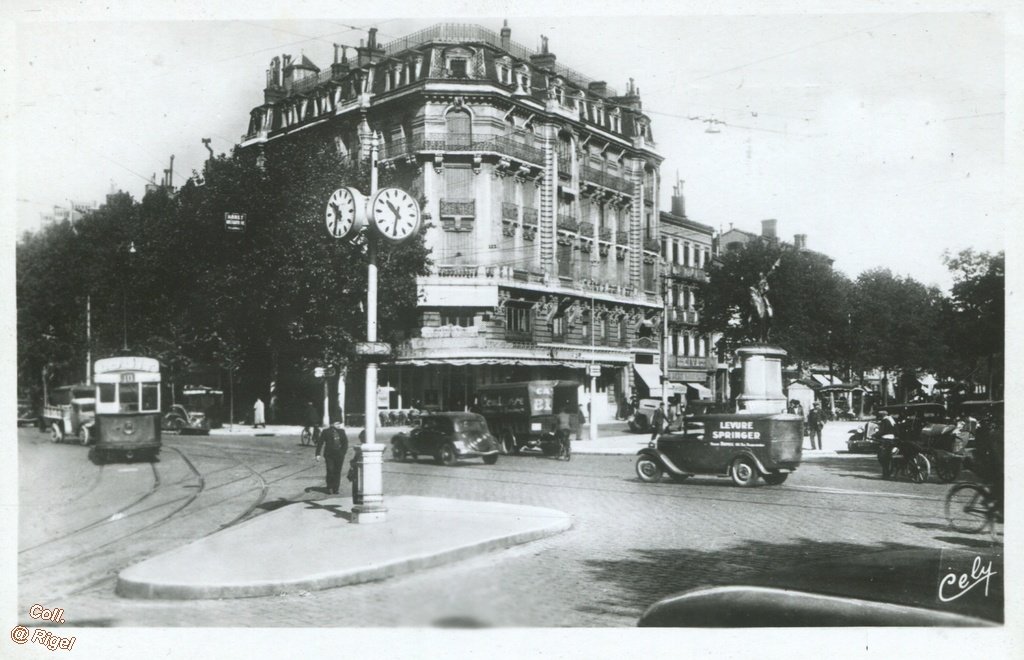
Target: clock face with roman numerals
345	214
394	214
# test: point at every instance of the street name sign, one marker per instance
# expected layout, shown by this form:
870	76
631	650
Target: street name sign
234	221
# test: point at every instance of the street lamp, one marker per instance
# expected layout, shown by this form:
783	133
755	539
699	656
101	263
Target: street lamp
124	295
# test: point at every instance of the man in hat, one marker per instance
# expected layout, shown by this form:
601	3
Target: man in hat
815	423
333	444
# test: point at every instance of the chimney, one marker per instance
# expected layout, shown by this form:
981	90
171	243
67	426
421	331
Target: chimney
340	67
506	36
371	53
768	229
598	88
543	59
800	241
632	98
678	201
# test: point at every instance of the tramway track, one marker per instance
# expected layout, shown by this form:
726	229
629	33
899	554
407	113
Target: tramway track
107	518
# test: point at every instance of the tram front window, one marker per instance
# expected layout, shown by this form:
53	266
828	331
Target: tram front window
150	397
129	397
107	393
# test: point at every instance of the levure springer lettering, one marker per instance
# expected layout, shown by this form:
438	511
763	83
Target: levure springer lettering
735	430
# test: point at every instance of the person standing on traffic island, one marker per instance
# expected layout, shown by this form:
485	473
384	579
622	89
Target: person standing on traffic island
815	423
658	421
333	445
258	420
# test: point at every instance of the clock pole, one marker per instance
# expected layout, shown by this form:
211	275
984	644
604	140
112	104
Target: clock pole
370	483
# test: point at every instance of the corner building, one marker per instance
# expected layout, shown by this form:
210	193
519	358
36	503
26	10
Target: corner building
541	190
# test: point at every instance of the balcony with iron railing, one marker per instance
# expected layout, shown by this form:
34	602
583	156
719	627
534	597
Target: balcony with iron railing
622	237
458	207
530	216
567	222
683	316
690	273
509	211
652	245
463	142
687	362
606	180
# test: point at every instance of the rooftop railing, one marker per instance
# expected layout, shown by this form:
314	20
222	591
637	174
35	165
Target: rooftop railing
461	33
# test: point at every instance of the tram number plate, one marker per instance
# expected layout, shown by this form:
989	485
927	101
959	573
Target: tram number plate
127	378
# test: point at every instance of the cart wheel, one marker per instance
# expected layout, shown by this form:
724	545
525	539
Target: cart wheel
776	479
743	472
648	470
86	436
56	433
918	469
490	460
447	455
947	471
508	443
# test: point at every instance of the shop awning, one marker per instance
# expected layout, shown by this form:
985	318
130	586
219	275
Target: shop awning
702	392
823	380
651	375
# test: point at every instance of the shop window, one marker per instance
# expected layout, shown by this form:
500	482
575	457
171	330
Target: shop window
459	317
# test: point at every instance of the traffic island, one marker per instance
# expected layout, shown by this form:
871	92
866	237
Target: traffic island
310	546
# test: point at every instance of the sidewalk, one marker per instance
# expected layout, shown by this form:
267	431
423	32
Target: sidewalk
311	545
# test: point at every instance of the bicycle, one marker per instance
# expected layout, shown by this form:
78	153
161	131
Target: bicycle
972	507
309	434
564	452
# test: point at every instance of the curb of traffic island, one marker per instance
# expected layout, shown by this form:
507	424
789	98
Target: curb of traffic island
149	580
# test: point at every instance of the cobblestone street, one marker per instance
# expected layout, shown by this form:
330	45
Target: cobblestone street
631	543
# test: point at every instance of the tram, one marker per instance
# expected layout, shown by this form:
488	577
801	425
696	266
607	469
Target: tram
127	407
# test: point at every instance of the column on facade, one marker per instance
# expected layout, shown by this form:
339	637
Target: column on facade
548	202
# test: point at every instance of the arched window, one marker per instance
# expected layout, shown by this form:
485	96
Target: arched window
459	126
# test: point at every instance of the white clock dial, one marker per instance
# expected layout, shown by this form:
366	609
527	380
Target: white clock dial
395	214
345	214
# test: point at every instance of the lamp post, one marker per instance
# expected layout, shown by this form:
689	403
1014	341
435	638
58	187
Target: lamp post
124	296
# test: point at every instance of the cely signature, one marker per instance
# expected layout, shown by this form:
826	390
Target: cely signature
965	581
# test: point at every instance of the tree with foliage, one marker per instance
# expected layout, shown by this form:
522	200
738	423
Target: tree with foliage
897	323
808	300
265	304
976	317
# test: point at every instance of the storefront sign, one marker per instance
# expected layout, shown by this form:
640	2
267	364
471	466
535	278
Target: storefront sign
234	221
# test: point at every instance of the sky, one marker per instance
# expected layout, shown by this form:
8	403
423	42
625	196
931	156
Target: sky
877	131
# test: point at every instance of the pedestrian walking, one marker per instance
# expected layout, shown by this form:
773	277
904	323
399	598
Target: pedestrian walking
658	421
258	420
815	423
332	444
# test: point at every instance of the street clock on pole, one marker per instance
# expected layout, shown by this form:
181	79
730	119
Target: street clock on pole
346	213
394	214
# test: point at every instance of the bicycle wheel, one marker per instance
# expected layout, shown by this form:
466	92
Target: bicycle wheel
967	508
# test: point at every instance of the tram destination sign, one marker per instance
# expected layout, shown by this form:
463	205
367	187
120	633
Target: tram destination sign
234	222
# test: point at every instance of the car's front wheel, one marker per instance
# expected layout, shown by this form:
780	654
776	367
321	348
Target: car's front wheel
56	433
446	455
648	470
86	436
397	451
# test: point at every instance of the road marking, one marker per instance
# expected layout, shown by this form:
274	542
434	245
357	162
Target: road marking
846	491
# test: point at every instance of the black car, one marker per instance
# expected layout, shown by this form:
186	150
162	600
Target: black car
447	437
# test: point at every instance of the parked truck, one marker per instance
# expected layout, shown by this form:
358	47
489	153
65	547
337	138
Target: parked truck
70	414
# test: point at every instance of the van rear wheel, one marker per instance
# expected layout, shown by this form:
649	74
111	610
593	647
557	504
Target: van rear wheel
56	433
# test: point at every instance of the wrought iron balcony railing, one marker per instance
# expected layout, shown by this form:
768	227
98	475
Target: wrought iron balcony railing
606	180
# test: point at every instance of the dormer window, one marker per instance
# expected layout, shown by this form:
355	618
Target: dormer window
523	79
457	67
616	120
457	62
